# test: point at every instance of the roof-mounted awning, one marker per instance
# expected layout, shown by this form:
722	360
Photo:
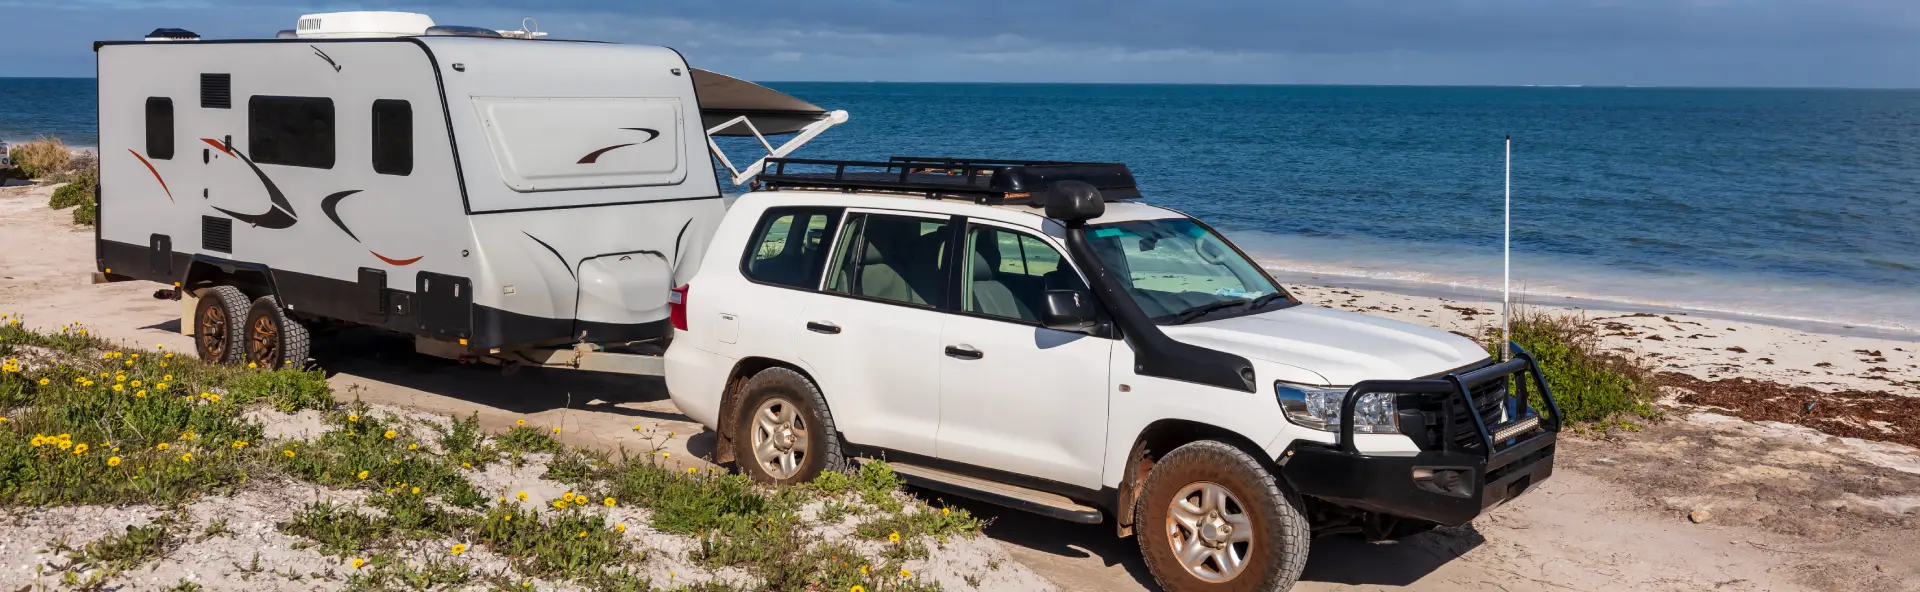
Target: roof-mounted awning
733	107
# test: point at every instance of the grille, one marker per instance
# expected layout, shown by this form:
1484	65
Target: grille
1487	401
216	91
216	234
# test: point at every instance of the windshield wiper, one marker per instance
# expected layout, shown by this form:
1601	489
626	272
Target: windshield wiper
1196	312
1263	300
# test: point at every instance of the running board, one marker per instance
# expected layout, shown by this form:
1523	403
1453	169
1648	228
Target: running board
997	493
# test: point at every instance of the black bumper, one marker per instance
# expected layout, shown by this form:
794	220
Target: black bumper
1471	465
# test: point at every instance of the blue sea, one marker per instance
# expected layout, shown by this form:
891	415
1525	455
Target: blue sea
1798	207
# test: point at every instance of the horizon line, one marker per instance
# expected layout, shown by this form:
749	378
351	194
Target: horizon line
1319	84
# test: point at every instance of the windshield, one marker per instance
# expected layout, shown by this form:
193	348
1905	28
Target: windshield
1177	270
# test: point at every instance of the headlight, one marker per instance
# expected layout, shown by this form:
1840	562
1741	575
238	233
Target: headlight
1318	407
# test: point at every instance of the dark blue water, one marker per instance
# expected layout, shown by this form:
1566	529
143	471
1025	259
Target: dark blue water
1790	204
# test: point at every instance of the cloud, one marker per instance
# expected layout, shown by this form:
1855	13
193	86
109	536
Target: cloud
1705	42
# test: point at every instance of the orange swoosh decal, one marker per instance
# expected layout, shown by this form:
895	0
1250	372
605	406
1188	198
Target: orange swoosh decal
217	145
156	173
392	261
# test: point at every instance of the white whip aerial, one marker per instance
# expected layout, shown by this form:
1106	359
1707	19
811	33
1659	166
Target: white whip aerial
1506	257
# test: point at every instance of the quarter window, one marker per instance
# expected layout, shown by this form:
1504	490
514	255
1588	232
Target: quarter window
159	128
291	131
1008	273
392	137
893	258
790	246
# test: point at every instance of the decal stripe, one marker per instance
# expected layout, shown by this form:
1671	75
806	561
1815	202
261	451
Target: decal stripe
330	202
392	261
594	156
217	145
556	254
651	133
156	173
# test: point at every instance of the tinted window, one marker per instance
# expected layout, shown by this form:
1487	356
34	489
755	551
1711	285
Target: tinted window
789	248
392	137
892	258
291	131
1008	273
159	128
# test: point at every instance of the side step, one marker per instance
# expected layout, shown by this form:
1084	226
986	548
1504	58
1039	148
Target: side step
997	493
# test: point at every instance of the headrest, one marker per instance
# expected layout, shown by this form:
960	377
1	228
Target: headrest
871	255
982	269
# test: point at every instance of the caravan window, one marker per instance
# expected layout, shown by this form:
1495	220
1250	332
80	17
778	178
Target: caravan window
159	128
392	137
291	131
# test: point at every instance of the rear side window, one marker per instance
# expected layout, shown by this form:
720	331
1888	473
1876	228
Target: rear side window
392	137
892	258
291	131
789	247
159	128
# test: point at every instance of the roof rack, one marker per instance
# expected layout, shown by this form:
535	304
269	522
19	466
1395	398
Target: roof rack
981	180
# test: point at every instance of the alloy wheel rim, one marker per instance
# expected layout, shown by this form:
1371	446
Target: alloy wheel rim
779	438
264	346
213	334
1210	532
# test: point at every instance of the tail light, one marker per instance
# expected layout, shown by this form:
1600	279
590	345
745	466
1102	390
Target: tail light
677	307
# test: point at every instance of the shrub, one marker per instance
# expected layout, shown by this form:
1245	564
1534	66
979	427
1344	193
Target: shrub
1592	386
41	157
88	214
78	166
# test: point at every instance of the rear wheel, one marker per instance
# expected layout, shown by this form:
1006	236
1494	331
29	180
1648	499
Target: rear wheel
275	340
1213	518
218	324
785	434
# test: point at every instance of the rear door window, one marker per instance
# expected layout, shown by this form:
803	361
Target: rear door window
892	258
789	247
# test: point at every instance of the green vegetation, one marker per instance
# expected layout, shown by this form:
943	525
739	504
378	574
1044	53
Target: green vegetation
1595	389
41	157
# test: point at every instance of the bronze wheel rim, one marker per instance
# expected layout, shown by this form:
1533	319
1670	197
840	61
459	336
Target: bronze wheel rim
213	334
264	344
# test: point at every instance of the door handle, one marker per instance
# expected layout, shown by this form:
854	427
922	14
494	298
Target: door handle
823	327
964	352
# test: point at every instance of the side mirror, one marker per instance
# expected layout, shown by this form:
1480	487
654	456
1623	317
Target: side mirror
1070	310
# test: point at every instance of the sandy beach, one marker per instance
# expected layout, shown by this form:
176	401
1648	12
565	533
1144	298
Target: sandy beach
1698	500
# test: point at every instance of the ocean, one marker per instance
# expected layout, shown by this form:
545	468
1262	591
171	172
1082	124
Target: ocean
1793	206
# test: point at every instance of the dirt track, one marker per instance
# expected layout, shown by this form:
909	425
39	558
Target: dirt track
1790	510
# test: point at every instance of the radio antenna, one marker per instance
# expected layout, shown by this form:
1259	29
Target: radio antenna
1506	258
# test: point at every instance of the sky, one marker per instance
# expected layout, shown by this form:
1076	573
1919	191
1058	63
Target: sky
1769	43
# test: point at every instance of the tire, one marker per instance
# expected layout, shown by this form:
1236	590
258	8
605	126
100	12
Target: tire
219	322
811	444
274	340
1273	548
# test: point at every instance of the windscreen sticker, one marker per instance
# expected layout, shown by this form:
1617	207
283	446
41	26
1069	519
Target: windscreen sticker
1106	232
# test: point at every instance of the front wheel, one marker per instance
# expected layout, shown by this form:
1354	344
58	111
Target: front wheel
1212	518
785	434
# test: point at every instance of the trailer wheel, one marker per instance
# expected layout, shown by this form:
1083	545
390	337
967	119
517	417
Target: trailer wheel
275	340
1211	517
218	324
786	435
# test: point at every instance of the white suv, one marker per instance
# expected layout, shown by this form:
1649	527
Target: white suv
1034	337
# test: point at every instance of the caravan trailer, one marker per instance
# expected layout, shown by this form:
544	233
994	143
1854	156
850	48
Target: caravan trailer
492	193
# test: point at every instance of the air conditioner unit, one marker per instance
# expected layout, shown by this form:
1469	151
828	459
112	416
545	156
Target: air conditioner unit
366	23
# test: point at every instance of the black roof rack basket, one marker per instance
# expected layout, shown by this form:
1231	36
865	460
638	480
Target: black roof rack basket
982	180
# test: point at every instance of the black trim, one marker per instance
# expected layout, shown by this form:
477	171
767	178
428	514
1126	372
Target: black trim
1155	354
328	205
591	205
1384	482
1105	499
556	255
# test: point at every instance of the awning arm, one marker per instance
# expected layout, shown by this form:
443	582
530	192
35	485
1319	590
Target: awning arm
806	134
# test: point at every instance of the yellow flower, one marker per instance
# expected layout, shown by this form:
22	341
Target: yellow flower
39	440
945	512
239	444
43	382
691	470
64	444
636	427
390	434
556	430
582	535
864	569
80	449
117	388
252	365
160	387
113	461
519	422
412	446
906	574
609	502
161	446
507	518
357	562
856	588
522	495
136	356
568	497
458	549
620	528
213	398
416	491
287	453
362	475
559	505
893	537
140	394
166	377
188	457
134	384
468	466
353	418
666	455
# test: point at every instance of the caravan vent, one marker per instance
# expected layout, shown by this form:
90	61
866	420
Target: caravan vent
216	234
216	91
361	24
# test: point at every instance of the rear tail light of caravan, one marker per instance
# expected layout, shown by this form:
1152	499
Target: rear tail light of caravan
677	307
